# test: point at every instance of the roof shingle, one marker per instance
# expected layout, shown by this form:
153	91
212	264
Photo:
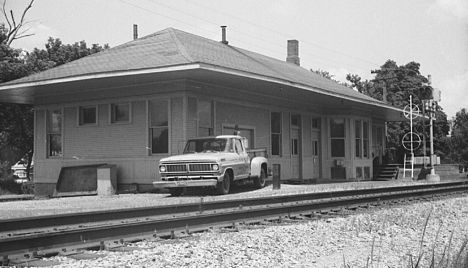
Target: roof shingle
171	47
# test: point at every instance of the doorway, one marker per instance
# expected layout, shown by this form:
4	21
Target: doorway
315	155
296	147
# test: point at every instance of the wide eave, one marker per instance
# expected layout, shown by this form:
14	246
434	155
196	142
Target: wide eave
29	92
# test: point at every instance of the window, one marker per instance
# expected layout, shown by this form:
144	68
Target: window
295	120
357	130
159	126
337	137
275	133
359	173
192	109
365	140
238	146
295	147
87	115
362	138
315	149
380	140
120	113
316	123
338	173
205	118
54	133
367	173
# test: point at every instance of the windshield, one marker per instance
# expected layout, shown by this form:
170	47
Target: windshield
205	145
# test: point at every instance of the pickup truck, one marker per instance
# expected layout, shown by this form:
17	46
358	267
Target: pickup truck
213	162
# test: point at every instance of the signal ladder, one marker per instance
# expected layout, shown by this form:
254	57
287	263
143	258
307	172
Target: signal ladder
408	165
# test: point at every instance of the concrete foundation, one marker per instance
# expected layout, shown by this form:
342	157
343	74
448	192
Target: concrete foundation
432	178
106	180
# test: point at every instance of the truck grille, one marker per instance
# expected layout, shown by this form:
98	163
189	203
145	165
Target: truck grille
200	167
177	168
189	167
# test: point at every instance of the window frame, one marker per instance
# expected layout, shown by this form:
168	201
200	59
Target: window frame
315	148
50	132
200	126
315	123
151	128
358	138
359	173
276	134
365	139
343	138
80	114
112	117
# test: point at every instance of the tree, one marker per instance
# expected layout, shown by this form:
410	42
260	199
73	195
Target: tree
15	30
16	134
16	121
328	75
56	53
394	84
458	143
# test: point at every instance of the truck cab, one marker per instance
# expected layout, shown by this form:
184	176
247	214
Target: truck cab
216	161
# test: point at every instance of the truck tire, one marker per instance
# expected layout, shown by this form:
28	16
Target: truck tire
224	186
260	182
176	191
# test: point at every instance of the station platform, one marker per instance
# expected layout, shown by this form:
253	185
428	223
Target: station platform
28	206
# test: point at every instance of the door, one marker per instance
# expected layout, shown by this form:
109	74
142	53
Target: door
295	153
315	155
242	169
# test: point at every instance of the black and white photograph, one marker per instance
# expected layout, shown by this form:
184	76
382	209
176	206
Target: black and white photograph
221	133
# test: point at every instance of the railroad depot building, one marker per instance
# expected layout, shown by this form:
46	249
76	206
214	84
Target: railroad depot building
136	103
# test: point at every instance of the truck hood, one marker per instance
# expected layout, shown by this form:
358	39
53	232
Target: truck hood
199	157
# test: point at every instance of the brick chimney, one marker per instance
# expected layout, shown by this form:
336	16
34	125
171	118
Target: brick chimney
135	32
223	35
293	52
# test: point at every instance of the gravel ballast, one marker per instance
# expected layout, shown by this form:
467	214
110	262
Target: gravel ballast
30	208
379	237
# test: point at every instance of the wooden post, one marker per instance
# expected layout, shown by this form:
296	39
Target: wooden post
276	176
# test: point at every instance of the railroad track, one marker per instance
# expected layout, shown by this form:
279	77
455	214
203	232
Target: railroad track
34	236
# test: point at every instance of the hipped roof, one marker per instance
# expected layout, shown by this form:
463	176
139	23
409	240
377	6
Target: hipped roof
171	47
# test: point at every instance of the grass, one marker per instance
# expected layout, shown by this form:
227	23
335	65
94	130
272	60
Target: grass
458	260
439	253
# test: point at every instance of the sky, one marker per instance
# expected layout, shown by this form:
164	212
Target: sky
339	36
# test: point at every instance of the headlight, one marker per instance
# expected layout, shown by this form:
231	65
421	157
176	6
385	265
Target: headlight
162	168
215	167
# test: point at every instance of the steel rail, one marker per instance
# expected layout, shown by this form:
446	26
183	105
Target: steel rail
42	241
21	224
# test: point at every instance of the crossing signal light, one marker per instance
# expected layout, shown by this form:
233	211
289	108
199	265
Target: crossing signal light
426	106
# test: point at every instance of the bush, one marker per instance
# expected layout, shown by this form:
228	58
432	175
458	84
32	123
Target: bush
9	186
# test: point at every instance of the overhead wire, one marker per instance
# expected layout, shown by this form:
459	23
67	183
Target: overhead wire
280	33
263	49
315	56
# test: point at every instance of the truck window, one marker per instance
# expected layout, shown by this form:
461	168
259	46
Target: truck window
205	145
238	145
230	145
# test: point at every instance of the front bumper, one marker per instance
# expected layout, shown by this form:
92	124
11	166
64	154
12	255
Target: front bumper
188	181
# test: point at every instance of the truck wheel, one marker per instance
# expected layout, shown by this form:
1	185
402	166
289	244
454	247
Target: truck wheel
176	191
224	186
259	182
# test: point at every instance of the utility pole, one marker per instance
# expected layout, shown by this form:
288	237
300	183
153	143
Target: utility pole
433	177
